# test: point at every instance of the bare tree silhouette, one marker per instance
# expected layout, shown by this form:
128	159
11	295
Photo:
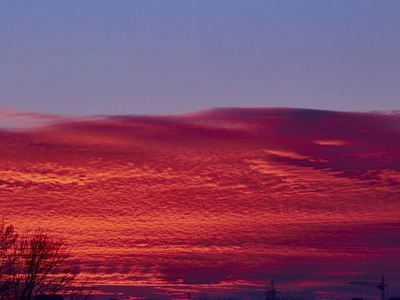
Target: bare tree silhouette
8	239
35	264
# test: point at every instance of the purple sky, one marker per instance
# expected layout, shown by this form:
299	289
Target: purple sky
165	57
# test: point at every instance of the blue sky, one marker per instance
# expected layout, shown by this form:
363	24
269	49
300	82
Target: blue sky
167	57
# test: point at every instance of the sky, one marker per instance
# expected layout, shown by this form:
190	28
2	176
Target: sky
171	57
194	199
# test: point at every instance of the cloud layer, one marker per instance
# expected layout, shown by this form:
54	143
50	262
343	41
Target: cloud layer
225	199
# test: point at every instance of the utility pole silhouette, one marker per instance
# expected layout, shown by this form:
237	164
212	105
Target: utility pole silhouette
381	286
271	292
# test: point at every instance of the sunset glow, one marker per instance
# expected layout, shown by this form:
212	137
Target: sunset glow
217	202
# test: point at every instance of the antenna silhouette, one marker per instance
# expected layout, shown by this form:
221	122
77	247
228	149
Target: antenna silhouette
381	286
